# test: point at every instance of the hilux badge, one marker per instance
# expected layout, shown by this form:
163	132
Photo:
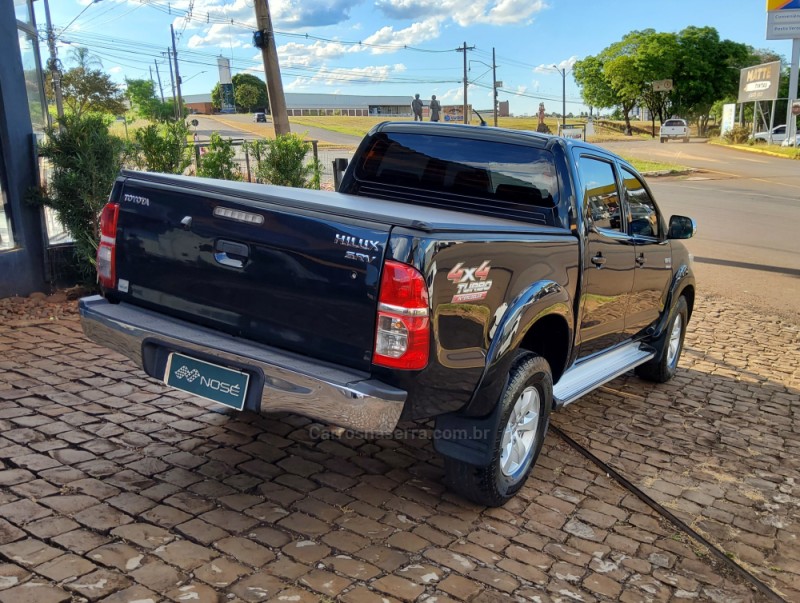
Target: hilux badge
356	243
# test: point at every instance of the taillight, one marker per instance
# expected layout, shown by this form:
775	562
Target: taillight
107	250
403	336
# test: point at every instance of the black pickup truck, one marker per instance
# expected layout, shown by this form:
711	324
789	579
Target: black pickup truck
479	276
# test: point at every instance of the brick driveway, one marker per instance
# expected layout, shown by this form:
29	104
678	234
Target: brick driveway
114	488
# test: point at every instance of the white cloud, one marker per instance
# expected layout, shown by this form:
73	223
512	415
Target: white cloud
336	77
487	12
414	35
116	69
565	64
295	54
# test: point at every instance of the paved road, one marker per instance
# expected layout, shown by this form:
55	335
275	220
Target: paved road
114	488
243	126
747	207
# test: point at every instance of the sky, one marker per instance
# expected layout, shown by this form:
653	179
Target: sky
393	47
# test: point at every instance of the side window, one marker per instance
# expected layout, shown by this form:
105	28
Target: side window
600	194
642	212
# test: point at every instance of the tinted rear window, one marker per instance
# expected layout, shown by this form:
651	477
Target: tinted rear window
494	171
674	122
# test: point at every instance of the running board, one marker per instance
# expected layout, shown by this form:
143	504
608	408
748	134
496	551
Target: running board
591	374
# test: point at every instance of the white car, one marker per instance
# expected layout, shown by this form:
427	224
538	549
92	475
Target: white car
674	128
778	135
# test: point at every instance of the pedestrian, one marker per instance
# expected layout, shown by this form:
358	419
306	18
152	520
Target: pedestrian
416	108
435	107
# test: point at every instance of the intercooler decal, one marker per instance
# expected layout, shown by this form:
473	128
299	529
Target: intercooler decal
472	284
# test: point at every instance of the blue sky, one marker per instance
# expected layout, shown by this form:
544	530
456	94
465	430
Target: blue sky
406	46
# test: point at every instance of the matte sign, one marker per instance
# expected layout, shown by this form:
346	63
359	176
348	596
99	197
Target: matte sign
759	82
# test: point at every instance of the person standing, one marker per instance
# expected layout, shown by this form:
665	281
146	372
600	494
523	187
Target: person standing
416	108
435	107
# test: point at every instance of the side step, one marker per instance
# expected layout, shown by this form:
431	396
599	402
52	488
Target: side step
591	374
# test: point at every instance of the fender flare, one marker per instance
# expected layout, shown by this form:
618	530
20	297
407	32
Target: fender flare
468	434
682	278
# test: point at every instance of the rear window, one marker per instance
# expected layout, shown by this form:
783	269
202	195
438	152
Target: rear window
674	122
507	177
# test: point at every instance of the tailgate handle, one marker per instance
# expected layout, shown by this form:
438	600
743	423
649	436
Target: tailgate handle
223	250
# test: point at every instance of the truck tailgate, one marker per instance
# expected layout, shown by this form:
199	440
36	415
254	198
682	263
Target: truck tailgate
293	278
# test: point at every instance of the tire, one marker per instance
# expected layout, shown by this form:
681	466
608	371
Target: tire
662	139
686	139
669	346
526	401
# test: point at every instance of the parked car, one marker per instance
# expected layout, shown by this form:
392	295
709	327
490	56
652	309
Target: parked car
457	274
260	117
778	135
676	129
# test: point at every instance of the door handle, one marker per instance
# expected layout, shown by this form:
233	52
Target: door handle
598	260
223	248
640	259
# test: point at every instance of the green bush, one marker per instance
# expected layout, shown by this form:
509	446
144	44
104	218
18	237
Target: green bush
163	148
85	161
218	160
282	161
738	134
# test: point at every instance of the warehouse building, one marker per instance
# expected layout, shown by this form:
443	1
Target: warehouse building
306	103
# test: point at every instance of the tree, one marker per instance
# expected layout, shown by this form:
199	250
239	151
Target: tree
241	79
163	148
707	70
143	99
142	96
91	90
219	160
84	59
246	96
85	162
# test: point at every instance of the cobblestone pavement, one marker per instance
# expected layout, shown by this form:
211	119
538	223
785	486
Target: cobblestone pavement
116	489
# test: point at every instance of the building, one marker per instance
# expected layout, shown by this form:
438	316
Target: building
22	117
303	103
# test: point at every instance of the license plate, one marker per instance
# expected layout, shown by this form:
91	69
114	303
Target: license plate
216	383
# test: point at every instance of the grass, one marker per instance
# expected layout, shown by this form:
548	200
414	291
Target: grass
775	150
643	166
117	128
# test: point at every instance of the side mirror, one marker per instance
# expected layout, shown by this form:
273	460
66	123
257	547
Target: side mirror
681	227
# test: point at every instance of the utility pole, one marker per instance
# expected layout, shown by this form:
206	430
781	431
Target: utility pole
54	72
172	81
177	73
464	49
158	76
265	40
494	87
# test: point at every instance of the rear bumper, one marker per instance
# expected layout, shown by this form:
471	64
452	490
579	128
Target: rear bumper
291	383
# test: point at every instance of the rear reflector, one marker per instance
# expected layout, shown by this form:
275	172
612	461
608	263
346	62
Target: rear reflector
106	250
402	339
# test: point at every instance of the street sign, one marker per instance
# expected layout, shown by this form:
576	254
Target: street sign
498	84
195	123
662	85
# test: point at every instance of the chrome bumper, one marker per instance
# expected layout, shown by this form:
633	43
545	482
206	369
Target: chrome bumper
328	394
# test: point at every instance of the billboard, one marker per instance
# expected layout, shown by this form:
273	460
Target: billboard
759	82
783	19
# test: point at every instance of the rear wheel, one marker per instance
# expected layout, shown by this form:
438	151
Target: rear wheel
517	441
686	139
663	367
